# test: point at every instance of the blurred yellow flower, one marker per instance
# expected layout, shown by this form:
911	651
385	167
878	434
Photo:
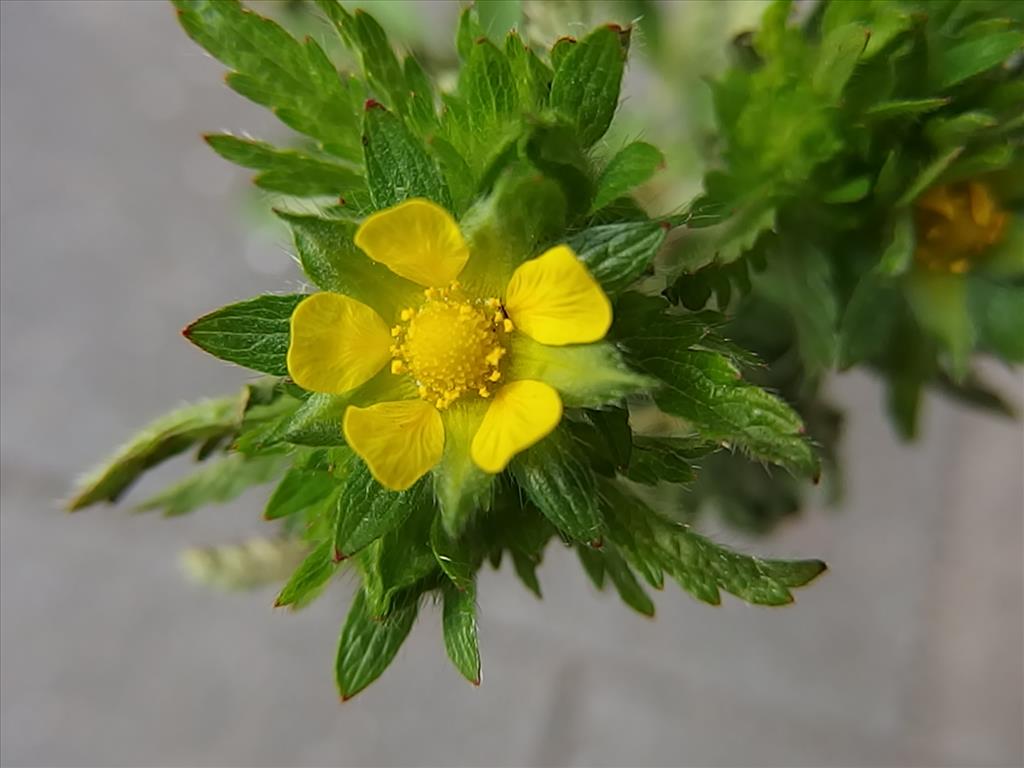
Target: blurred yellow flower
956	224
452	345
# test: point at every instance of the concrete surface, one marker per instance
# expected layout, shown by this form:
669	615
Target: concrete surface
119	226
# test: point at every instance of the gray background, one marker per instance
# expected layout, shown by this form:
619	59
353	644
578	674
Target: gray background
119	226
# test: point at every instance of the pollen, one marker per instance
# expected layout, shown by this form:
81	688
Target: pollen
956	225
451	345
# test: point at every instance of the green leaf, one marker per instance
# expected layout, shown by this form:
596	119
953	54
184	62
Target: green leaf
288	171
310	578
368	645
939	302
972	57
700	566
561	485
656	460
460	635
630	167
927	176
295	80
369	41
798	278
299	490
837	58
532	76
945	132
367	510
453	555
626	584
216	483
592	561
330	258
397	165
159	440
401	560
619	254
705	388
885	110
585	88
997	310
586	375
253	333
316	422
869	319
468	32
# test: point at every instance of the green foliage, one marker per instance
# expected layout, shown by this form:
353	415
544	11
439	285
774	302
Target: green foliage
288	171
369	645
165	437
514	146
702	384
654	545
460	635
253	333
217	482
585	88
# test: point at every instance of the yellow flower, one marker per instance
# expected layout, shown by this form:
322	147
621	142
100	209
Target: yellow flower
450	353
956	224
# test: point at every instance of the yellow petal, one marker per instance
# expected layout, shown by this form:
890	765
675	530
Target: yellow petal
553	299
416	239
399	441
521	414
337	343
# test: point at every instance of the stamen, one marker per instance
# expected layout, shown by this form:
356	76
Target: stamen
451	345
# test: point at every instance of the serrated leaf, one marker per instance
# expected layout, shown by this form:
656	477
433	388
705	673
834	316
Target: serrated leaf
585	88
699	565
460	634
368	646
298	490
216	483
288	171
400	559
665	459
317	422
296	80
310	578
253	333
368	40
626	584
630	167
330	258
838	56
367	510
705	387
954	64
593	564
453	555
397	165
618	254
159	440
555	478
468	32
532	76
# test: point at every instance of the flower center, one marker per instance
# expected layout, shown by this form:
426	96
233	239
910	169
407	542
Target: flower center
956	224
451	345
